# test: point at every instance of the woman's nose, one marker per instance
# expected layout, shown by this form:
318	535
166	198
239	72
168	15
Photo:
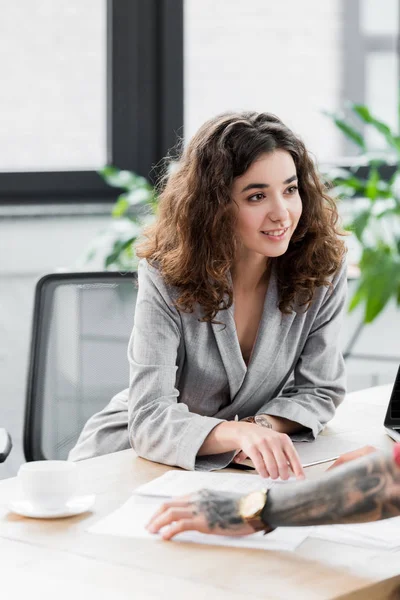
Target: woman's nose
278	209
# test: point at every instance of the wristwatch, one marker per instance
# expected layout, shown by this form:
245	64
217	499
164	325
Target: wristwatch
259	420
250	510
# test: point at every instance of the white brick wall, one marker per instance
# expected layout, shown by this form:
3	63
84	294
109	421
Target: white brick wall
280	56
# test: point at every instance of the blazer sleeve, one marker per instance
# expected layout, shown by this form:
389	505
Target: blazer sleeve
161	428
319	382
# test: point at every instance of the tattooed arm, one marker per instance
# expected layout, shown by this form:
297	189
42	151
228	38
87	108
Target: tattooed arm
366	489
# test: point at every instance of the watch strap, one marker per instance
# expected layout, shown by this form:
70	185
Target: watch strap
258	525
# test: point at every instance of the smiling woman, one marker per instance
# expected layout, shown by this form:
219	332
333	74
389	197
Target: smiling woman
272	214
242	288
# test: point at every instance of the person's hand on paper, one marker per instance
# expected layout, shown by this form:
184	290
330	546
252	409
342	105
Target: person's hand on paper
273	453
206	511
349	456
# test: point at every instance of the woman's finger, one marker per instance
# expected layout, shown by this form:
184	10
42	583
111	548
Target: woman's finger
281	462
293	459
240	457
270	462
259	463
169	516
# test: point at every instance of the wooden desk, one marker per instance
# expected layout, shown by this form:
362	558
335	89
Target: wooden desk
43	559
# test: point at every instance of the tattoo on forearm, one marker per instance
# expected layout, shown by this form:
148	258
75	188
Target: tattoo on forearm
366	490
220	509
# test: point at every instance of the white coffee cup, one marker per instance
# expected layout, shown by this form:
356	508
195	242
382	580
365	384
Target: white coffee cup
48	484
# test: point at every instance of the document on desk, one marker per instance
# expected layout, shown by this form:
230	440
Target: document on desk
180	483
130	519
378	534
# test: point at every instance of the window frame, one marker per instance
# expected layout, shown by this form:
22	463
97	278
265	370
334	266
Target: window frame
148	35
358	45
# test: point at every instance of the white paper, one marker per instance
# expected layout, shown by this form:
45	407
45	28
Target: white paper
131	518
378	534
332	533
387	530
180	483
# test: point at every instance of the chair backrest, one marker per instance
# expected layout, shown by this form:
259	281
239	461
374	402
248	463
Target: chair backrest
81	327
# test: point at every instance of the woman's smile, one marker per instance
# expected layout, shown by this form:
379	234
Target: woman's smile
276	235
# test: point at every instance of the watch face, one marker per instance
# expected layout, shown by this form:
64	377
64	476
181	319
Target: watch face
252	504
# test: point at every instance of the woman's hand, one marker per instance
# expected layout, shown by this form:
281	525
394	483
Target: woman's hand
205	511
272	453
349	456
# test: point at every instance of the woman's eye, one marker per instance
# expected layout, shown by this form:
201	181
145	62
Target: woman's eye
292	189
256	197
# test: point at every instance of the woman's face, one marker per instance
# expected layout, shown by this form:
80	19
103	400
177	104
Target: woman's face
268	204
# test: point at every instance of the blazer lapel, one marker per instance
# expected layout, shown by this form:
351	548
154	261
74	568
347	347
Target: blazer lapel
271	336
229	349
273	329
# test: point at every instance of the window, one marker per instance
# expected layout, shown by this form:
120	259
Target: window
291	58
85	83
53	100
371	71
379	27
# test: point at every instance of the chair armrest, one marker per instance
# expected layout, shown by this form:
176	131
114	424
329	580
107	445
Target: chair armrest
5	445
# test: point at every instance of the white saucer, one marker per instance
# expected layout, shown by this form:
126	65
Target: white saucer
76	506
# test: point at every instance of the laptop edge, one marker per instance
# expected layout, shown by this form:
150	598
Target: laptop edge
392	419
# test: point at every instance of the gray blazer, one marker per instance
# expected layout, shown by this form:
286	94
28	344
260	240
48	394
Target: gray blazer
186	377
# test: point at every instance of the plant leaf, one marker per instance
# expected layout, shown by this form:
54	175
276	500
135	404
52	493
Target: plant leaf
371	189
120	207
140	195
380	278
359	223
126	180
393	210
118	248
365	115
377	301
351	181
358	296
350	132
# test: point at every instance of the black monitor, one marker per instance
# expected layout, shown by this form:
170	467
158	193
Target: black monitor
392	418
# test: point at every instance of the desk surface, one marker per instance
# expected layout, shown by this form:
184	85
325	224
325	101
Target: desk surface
60	557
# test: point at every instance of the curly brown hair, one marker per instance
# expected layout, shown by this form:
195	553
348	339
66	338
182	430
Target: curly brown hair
193	241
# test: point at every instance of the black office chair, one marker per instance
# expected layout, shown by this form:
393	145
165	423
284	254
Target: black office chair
5	445
81	327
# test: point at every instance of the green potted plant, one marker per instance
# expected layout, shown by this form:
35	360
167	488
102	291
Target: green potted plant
134	208
373	184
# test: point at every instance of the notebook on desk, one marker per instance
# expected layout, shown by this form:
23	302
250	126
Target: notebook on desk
392	419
